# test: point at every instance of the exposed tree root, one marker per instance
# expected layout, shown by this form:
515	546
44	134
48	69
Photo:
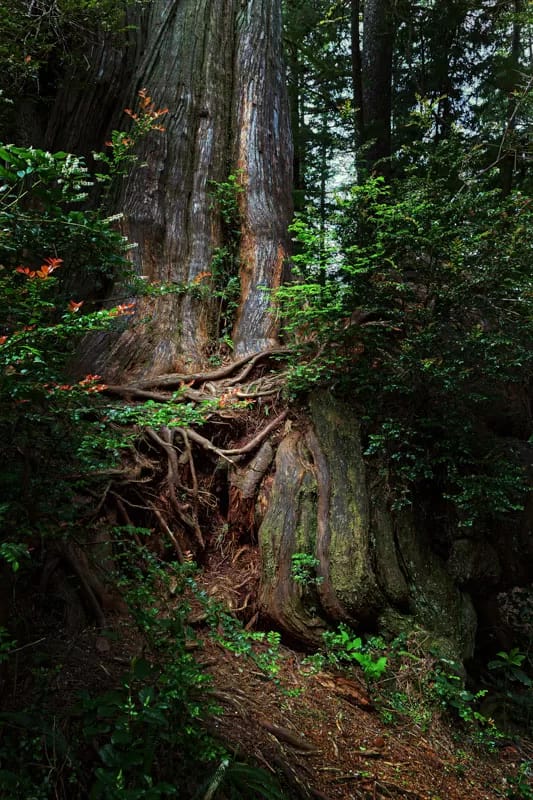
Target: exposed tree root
173	475
248	479
247	448
193	491
256	441
171	535
176	379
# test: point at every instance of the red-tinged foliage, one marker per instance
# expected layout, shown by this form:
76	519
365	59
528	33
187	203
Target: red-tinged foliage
148	110
44	271
88	384
122	309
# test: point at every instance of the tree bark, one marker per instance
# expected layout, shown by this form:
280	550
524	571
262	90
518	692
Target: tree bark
216	64
378	40
264	158
374	568
357	73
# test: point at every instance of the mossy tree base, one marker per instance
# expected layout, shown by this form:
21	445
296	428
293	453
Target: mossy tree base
374	567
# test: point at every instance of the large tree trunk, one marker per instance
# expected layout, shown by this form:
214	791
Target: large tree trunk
374	568
216	64
264	159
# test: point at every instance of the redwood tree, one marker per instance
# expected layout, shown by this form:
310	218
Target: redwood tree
376	77
216	65
208	205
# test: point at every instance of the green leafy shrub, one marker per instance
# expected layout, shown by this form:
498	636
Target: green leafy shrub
261	647
156	711
423	685
521	783
49	249
509	664
146	735
303	569
39	410
344	646
421	315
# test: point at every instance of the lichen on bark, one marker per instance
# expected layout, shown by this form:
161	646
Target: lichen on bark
375	567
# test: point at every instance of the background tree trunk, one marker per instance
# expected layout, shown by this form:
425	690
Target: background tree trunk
378	40
357	74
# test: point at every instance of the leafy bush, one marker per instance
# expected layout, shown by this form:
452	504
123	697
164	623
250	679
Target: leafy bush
421	315
155	713
147	734
344	646
303	569
510	666
49	249
520	784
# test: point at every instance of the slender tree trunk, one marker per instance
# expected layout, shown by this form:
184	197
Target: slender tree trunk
508	163
357	79
297	122
378	40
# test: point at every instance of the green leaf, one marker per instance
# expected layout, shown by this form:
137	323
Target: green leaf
142	668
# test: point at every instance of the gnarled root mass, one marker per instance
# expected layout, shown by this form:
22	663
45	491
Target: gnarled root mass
248	490
193	487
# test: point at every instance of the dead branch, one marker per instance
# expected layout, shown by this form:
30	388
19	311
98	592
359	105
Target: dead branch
285	735
252	444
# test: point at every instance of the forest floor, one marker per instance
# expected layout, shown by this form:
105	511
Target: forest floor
322	731
332	735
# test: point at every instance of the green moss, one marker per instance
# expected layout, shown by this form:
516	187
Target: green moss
350	562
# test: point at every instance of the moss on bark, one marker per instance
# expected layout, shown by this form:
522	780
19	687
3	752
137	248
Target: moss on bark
374	567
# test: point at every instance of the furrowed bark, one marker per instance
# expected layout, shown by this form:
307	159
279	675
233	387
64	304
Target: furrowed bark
216	65
264	159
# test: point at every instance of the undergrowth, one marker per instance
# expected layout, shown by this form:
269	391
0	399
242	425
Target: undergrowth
146	734
408	680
